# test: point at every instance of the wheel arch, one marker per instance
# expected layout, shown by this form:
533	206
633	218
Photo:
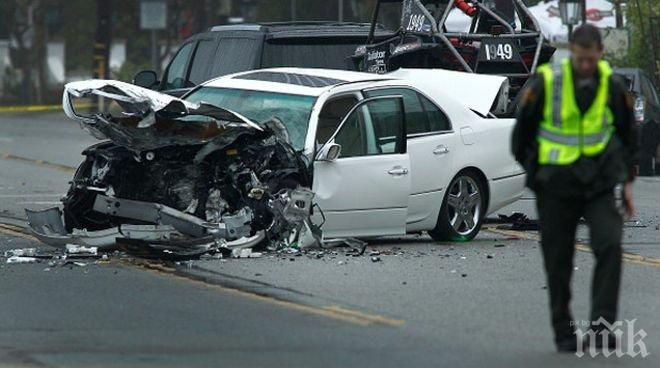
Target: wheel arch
482	179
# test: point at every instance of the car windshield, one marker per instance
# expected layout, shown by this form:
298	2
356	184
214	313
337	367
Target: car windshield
292	110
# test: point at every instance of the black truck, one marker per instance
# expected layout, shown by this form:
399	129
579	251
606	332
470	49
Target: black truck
647	117
230	49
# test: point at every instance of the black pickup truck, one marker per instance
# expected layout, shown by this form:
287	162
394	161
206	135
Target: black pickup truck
230	49
647	117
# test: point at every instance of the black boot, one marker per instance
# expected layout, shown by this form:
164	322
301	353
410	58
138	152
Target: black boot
566	343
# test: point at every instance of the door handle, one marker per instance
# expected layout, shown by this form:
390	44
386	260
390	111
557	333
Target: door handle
398	170
440	150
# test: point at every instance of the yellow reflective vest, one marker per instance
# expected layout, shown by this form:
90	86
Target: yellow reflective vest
565	133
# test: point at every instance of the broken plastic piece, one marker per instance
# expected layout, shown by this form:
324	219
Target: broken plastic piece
79	249
25	252
19	259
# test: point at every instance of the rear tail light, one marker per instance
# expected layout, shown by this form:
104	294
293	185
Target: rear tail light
638	110
528	58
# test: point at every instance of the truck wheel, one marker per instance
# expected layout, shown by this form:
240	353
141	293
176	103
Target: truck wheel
647	165
462	210
647	162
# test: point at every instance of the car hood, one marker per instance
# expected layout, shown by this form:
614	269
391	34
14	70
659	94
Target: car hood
141	119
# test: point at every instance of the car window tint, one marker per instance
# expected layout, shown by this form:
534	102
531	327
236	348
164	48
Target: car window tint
331	115
386	123
371	129
176	72
351	137
309	55
438	120
648	91
200	69
416	118
234	55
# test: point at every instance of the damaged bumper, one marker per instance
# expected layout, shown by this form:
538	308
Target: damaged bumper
178	178
48	227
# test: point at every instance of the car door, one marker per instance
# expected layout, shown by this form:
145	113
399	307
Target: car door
364	192
431	144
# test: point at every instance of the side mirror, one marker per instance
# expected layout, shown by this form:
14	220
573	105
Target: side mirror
146	79
329	152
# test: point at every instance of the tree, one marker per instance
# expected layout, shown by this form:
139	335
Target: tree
643	22
27	37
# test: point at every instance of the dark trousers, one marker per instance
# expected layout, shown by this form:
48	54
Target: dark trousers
559	218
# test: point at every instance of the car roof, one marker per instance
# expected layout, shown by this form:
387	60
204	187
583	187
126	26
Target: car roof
305	29
303	81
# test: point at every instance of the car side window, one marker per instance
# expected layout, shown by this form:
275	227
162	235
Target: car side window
331	115
416	118
176	72
648	91
235	54
438	120
374	128
200	69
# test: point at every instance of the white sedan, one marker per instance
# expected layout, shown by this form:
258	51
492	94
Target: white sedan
411	151
240	158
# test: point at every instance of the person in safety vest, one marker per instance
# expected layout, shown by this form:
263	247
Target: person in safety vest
575	137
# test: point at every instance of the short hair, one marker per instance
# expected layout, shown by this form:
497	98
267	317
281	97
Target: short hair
587	36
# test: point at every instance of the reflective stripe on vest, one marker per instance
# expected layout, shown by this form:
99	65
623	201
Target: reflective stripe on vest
565	133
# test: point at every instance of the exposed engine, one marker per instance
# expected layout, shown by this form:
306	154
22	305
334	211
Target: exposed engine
245	180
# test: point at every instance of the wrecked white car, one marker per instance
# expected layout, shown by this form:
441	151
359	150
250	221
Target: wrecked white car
275	156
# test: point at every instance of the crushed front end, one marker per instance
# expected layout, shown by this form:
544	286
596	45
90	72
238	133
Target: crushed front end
178	177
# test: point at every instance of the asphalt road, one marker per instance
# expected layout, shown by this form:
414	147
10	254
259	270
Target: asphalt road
473	304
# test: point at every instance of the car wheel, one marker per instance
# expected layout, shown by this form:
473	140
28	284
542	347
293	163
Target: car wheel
461	213
647	164
648	149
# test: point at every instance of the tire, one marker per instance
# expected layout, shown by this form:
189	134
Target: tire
462	210
647	165
648	146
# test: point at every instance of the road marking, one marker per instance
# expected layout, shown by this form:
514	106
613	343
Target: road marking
29	195
630	257
41	202
42	163
16	231
31	108
330	311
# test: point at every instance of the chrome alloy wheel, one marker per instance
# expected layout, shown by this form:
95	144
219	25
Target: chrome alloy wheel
464	204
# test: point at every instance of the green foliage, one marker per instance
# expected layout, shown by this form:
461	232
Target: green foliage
642	18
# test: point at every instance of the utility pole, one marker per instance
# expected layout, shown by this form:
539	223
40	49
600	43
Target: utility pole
618	14
153	17
101	55
340	6
293	10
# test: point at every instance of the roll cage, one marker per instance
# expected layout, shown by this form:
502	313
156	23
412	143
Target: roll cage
503	38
